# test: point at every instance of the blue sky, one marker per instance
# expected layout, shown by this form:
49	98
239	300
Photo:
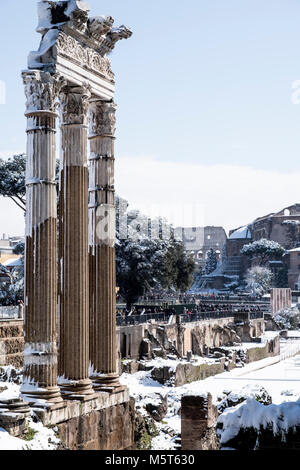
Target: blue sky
201	82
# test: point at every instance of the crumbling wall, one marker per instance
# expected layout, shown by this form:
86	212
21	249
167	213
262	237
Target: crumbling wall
211	334
271	349
187	373
198	423
11	343
250	329
179	338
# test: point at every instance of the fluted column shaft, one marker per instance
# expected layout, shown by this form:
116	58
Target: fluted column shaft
74	299
102	260
40	354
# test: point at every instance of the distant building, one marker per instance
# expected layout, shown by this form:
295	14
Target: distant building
236	264
292	259
199	240
282	227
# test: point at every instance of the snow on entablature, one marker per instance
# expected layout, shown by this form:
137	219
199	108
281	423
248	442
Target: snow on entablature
76	46
71	17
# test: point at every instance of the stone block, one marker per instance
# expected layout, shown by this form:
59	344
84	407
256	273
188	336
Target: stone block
198	423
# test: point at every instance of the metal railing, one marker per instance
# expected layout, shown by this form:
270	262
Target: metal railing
164	317
9	313
291	349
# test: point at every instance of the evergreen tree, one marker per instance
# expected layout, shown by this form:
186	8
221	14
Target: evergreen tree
13	291
212	261
263	251
12	179
146	264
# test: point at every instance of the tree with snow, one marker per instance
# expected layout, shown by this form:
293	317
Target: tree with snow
258	280
12	179
145	264
12	292
179	267
263	250
211	262
288	317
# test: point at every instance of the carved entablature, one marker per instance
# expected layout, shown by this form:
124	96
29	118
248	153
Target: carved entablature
102	118
76	46
85	56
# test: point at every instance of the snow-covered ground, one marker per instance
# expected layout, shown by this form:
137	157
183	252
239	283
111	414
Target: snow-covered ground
41	437
281	379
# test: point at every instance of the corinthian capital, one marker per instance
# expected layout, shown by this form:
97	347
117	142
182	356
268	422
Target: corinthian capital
74	104
41	90
102	118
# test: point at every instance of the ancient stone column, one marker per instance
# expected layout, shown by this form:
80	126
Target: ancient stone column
74	288
40	354
102	260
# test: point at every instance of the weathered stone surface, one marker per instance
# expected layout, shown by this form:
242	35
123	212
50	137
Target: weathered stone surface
144	430
198	423
11	343
11	329
272	348
102	256
158	406
73	244
247	329
11	375
110	428
187	373
146	348
163	375
176	338
13	414
130	366
40	375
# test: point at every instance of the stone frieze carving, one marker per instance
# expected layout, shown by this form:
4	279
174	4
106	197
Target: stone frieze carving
69	47
41	90
74	104
102	118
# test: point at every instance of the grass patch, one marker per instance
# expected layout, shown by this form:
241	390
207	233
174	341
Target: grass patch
29	434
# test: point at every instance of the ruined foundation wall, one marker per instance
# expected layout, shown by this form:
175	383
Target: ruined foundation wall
250	329
11	343
111	428
271	349
184	337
